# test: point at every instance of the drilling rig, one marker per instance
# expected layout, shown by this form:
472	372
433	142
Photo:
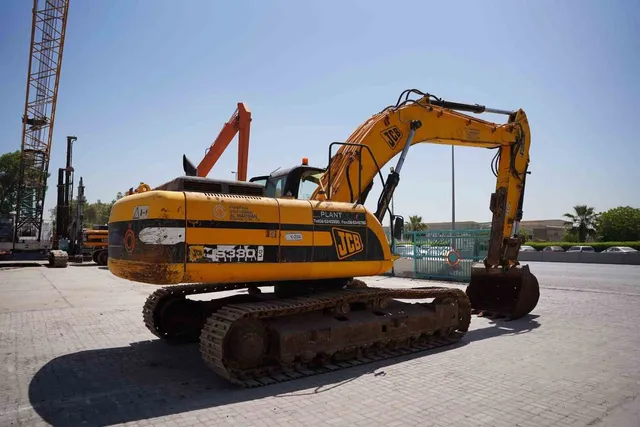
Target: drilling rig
68	236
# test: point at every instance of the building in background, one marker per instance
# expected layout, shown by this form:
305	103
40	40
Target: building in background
548	230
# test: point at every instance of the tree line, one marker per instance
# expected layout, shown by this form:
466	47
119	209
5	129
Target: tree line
619	224
94	213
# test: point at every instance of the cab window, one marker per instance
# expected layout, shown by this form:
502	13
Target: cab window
309	181
275	187
260	181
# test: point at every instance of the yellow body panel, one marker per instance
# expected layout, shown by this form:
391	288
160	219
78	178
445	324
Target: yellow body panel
151	204
163	237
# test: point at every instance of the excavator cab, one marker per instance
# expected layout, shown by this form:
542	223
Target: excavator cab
297	182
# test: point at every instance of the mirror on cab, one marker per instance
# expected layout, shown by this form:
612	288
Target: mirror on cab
398	227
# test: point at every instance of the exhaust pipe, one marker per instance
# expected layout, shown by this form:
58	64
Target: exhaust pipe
188	167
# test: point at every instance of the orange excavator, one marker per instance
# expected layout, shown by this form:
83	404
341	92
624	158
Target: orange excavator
304	231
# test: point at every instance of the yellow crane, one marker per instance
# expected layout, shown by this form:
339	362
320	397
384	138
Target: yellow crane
48	30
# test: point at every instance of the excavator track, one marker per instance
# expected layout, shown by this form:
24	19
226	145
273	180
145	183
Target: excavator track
152	310
216	324
154	307
234	339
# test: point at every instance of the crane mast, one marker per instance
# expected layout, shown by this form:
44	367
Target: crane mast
48	30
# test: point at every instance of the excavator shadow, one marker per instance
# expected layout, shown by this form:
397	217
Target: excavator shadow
153	378
503	327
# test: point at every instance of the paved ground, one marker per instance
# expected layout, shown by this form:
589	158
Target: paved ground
74	351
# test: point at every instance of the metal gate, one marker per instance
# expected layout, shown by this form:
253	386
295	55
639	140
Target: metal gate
444	254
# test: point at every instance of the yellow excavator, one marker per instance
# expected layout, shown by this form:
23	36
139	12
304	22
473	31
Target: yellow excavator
298	239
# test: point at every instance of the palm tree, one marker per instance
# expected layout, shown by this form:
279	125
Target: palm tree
582	221
416	224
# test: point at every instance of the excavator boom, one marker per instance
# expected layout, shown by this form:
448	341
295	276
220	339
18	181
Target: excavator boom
385	135
499	285
239	123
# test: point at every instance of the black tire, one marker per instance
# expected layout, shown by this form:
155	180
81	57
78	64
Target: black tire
103	257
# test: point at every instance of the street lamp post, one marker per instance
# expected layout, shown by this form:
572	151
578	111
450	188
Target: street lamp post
393	241
453	189
453	196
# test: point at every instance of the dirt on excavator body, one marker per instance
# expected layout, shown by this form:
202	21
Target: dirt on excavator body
513	293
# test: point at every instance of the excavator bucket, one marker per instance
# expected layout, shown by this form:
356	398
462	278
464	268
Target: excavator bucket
495	292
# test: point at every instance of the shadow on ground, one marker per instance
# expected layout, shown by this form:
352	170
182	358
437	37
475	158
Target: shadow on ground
20	264
153	378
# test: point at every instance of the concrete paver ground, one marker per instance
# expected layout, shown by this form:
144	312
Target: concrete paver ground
74	351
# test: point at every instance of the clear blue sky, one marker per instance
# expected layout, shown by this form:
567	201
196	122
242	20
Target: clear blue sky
144	82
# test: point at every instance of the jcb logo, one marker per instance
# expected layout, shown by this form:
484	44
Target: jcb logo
348	243
391	136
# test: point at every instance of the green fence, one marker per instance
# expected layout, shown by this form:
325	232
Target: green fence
433	257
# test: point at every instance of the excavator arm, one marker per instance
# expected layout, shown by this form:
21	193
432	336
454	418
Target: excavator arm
428	119
354	167
239	123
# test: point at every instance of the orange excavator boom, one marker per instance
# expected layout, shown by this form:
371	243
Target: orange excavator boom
239	123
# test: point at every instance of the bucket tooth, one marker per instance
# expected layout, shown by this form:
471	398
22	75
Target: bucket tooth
513	293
